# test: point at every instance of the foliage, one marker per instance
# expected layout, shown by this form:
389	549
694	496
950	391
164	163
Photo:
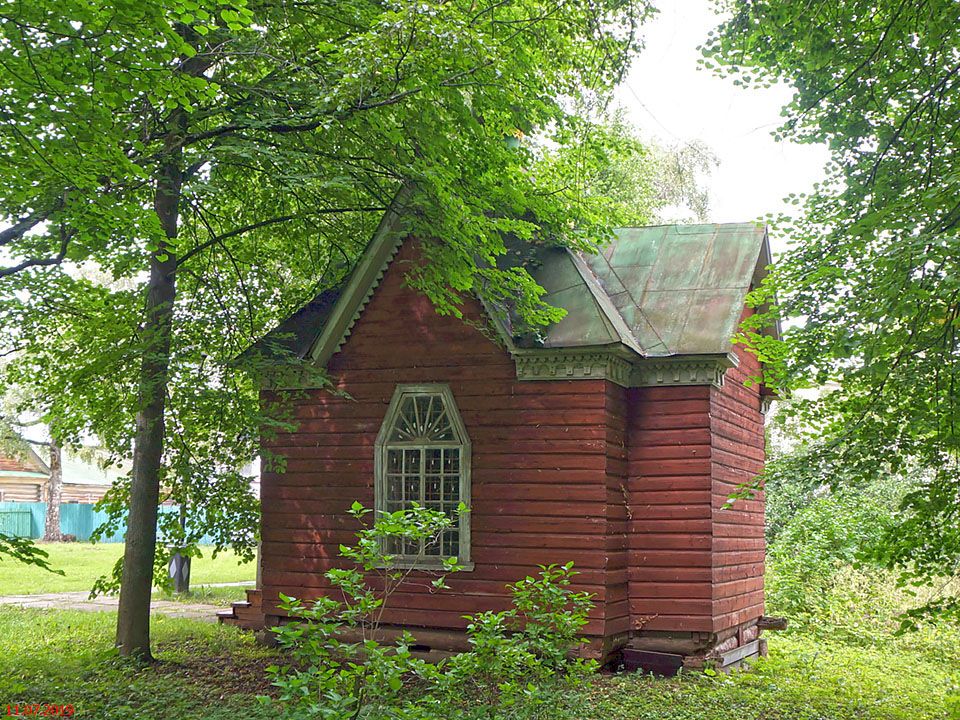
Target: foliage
825	547
83	563
214	672
520	659
218	162
639	180
794	485
25	551
344	668
338	676
872	273
829	534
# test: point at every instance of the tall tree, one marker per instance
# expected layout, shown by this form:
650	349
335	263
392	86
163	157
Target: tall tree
225	157
873	274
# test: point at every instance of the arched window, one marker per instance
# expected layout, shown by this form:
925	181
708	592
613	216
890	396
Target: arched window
423	456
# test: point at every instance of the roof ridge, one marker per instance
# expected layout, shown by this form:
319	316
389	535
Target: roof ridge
606	306
633	299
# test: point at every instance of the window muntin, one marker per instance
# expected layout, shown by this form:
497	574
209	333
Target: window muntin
422	456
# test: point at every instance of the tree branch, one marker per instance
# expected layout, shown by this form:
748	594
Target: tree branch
24	225
265	223
41	262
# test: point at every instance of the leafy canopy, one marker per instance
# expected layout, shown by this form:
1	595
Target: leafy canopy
872	273
280	132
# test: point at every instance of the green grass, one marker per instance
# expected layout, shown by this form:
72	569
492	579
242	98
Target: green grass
65	657
220	596
803	679
214	672
83	563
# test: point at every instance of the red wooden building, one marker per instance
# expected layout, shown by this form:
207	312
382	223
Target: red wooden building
612	441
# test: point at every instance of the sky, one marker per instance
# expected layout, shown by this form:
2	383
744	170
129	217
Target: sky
671	100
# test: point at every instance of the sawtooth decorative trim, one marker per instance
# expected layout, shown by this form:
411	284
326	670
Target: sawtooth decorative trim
658	372
572	365
363	282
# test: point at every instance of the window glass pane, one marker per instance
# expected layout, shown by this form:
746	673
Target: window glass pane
394	488
394	460
411	490
392	546
451	460
451	488
411	462
451	543
416	470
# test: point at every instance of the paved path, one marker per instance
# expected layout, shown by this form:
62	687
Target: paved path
81	601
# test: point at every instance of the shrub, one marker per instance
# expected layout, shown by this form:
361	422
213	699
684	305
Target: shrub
519	662
521	659
828	534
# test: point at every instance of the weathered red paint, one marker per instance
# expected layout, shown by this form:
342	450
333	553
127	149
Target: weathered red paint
628	484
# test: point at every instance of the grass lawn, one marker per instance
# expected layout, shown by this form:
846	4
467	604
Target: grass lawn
65	657
803	679
83	563
215	672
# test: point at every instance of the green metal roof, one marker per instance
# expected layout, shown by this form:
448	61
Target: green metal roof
680	289
591	319
652	291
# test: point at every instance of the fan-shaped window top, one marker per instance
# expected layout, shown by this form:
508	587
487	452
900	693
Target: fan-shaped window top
422	418
423	457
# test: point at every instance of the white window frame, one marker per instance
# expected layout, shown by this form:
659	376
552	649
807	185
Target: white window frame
383	445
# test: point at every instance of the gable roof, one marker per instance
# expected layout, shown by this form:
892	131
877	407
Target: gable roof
22	461
661	291
319	328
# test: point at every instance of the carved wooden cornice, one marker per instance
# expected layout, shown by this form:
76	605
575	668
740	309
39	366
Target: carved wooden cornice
603	364
681	370
571	365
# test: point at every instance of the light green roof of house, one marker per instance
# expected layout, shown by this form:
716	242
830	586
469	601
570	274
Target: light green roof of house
651	292
680	289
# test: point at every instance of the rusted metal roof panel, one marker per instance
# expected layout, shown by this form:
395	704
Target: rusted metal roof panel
681	288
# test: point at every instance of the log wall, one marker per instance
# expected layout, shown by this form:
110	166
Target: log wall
545	463
671	528
628	484
737	456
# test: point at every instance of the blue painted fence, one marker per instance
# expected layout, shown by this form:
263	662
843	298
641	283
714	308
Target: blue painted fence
80	519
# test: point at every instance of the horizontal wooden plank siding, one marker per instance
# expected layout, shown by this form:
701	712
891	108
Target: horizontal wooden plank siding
670	491
545	463
617	611
737	456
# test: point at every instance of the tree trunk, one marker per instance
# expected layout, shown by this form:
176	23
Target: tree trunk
133	617
181	562
51	530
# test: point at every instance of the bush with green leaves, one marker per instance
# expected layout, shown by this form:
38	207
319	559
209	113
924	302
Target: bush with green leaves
818	541
825	575
519	664
521	660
